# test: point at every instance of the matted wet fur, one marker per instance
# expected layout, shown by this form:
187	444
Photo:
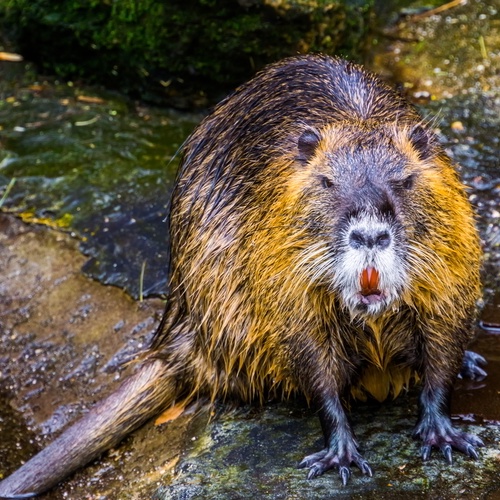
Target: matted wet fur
321	243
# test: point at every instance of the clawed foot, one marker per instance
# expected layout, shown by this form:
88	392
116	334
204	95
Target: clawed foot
327	459
444	436
471	366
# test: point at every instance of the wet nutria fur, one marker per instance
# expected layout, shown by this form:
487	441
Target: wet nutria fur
321	244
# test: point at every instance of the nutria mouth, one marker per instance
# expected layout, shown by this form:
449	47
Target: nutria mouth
370	292
369	282
374	297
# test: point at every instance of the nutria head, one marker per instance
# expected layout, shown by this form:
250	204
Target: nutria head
361	184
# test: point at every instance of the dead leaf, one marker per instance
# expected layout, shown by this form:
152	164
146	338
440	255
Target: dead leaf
90	99
172	413
10	56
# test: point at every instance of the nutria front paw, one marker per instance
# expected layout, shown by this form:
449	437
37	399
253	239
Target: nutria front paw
327	459
441	434
471	366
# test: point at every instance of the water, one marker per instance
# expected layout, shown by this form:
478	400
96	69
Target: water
96	165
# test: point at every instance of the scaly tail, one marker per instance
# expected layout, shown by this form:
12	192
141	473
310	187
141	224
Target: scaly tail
138	399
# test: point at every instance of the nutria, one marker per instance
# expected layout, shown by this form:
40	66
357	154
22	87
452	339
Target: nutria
321	243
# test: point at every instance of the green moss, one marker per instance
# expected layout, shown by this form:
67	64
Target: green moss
209	45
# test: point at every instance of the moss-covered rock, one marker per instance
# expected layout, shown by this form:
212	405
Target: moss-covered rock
159	48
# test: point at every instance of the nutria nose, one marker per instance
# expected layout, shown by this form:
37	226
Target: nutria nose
359	238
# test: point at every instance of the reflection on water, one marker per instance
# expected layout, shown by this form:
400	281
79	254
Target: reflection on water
96	165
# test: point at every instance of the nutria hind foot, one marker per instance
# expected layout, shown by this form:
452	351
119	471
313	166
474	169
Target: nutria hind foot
471	366
340	457
440	433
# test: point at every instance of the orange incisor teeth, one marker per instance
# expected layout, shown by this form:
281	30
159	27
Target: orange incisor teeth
369	281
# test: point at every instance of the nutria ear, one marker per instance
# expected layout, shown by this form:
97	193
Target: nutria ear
422	141
307	144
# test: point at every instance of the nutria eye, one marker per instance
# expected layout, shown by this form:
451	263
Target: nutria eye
326	182
408	182
403	184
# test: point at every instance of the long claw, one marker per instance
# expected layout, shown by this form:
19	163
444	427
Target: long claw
477	358
314	471
447	454
476	441
440	433
366	469
471	451
344	474
301	465
426	452
311	459
471	366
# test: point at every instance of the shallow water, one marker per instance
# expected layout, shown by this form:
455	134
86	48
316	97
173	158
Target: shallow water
94	164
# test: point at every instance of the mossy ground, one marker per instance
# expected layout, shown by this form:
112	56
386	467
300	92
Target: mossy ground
179	51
